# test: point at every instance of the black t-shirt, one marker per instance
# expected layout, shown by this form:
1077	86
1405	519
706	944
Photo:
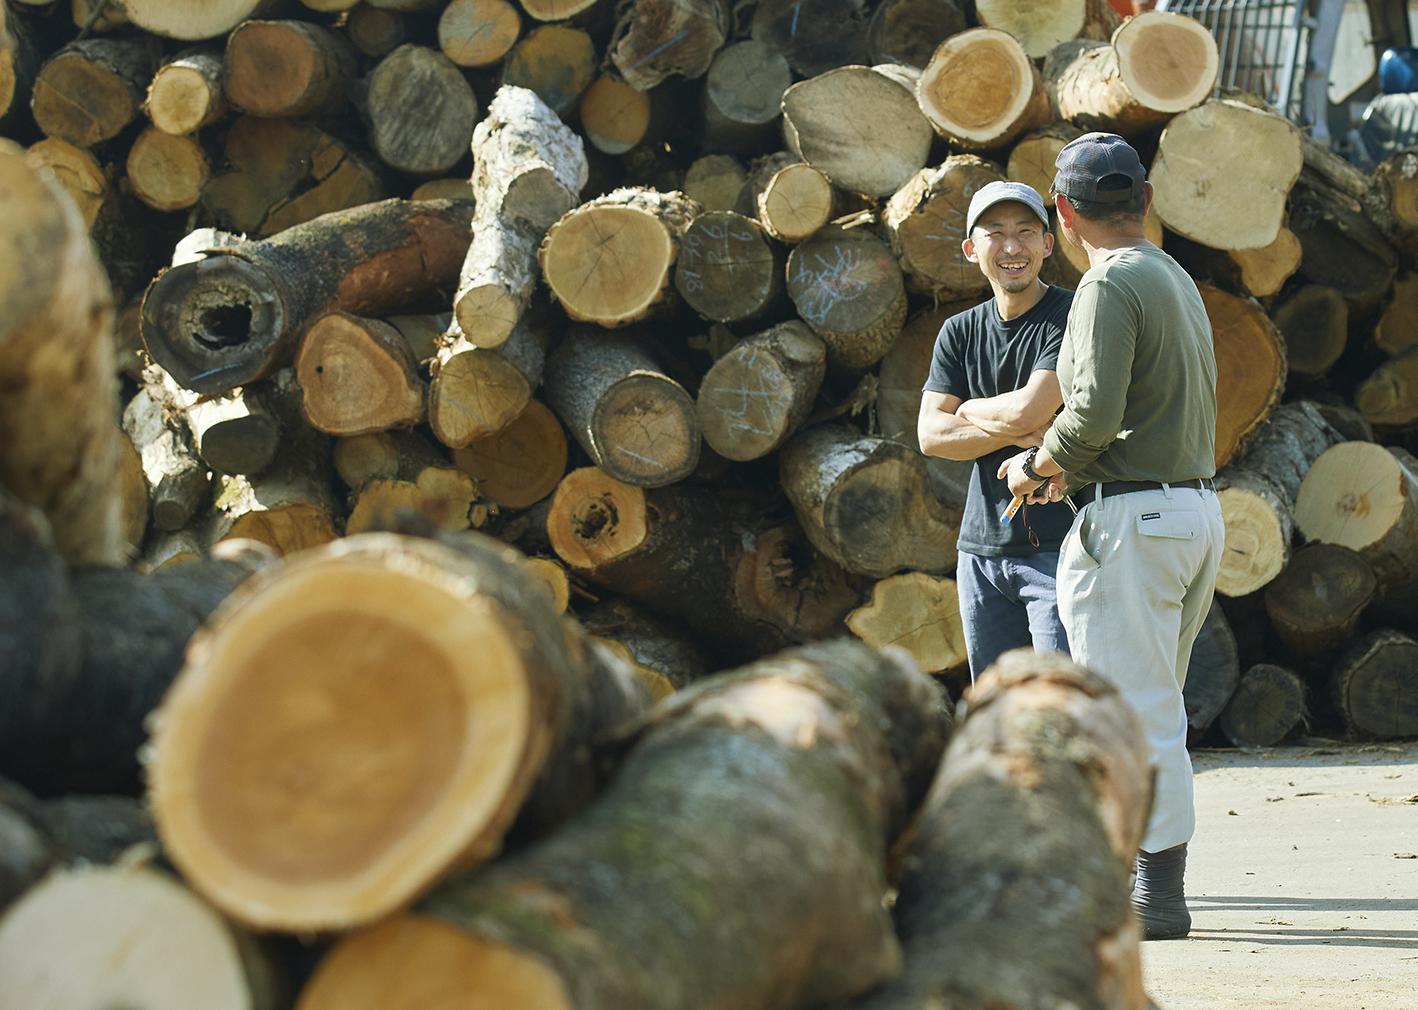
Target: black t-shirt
976	355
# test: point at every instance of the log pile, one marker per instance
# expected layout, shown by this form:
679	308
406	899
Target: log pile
646	291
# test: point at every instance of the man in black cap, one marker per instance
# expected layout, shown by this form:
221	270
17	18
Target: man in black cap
1135	448
991	389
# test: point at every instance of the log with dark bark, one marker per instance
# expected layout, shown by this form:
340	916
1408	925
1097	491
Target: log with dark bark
728	270
463	717
1250	367
1389	395
847	286
1315	324
1258	490
661	651
866	502
861	128
287	69
1233	195
477	391
1213	673
558	62
91	89
814	39
802	748
634	421
235	314
478	33
917	612
421	111
186	93
906	32
176	479
980	90
121	921
522	463
1269	705
58	395
358	375
742	586
755	396
1314	605
655	39
1051	754
925	222
743	94
609	261
1375	683
528	171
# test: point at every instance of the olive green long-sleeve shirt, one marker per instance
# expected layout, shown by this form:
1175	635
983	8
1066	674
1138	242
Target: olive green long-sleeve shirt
1138	374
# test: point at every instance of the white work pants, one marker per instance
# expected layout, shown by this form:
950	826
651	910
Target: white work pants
1135	580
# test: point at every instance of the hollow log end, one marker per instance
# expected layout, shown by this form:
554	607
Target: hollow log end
595	519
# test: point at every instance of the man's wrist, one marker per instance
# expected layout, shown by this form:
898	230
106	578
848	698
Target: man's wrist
1028	465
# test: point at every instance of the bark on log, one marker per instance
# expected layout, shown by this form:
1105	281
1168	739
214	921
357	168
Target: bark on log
1213	673
980	90
528	171
192	19
466	717
728	271
847	286
358	375
1376	686
1038	30
374	31
119	922
236	433
743	95
1158	64
859	127
819	773
634	421
478	33
521	464
1257	492
1314	605
743	587
615	117
91	89
234	315
661	651
177	481
608	261
814	39
79	172
19	65
758	394
421	111
478	391
186	93
1250	367
1050	753
1342	244
925	222
558	62
866	502
656	39
282	173
1222	174
167	172
1269	704
287	69
796	203
1389	396
917	612
1397	329
1395	190
58	396
906	32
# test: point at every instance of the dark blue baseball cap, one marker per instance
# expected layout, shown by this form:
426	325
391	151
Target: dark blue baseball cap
1093	157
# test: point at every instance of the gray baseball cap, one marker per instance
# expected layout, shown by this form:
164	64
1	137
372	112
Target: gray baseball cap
999	192
1088	160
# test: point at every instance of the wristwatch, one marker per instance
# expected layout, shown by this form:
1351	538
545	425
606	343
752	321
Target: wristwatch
1029	470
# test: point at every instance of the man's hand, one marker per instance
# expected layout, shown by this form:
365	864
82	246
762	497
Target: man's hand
1020	483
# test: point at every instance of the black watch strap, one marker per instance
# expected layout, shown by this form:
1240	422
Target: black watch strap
1029	470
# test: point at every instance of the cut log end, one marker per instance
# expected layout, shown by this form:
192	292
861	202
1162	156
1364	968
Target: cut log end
1257	541
607	265
166	171
268	710
1038	28
650	430
615	116
1168	61
979	88
478	33
475	394
595	518
186	95
521	464
1353	495
796	203
918	612
358	376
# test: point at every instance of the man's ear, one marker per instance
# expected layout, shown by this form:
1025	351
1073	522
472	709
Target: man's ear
1048	243
1146	198
968	248
1064	209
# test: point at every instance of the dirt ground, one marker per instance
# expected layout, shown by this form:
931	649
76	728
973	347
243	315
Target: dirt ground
1303	883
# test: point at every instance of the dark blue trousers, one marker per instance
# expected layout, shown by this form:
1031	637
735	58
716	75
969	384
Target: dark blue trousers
1008	603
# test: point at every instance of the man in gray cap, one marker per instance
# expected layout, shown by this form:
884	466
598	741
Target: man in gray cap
1135	448
991	389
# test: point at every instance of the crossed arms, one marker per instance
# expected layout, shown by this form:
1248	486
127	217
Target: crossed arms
952	428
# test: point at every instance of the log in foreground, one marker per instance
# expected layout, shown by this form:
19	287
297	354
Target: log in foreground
800	753
332	659
233	315
1040	804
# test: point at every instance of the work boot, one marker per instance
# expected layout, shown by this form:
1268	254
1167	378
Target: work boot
1157	894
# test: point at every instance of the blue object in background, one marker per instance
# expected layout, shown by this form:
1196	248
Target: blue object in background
1398	71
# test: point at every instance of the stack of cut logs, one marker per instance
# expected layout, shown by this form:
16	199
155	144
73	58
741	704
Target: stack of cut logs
647	290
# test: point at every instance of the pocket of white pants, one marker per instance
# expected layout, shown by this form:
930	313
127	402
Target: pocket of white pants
1075	552
1174	524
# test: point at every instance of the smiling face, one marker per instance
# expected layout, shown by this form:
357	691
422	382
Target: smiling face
1010	244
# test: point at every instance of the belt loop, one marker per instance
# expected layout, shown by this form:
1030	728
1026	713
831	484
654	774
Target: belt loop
1166	489
1098	495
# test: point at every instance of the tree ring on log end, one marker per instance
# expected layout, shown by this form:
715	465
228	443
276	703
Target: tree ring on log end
1377	692
81	101
595	519
211	322
607	265
1352	496
416	961
1168	61
744	403
650	428
1257	546
289	714
978	83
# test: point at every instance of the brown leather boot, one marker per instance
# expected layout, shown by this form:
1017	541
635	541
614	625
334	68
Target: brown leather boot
1157	894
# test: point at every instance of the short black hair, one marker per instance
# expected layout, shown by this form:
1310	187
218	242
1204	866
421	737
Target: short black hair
1095	210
